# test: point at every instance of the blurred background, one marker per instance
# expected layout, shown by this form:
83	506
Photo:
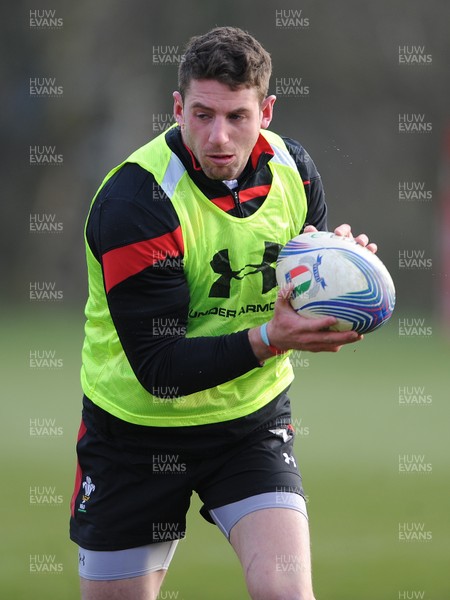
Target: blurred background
365	88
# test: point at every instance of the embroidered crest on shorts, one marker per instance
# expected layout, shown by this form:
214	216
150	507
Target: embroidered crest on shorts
89	489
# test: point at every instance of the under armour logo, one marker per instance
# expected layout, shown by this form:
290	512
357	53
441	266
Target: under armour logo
220	264
289	459
81	559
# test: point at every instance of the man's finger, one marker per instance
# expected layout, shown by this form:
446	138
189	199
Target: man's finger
316	342
344	230
362	239
284	293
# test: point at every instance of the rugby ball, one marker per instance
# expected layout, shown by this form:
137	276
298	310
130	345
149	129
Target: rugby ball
335	276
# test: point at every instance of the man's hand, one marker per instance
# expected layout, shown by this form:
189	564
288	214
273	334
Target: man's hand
346	231
289	331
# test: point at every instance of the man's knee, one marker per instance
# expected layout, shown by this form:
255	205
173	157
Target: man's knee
279	591
279	586
275	567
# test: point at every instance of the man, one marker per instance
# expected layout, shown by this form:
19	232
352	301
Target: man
183	369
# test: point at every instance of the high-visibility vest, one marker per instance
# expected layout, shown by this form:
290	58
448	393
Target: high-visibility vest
229	264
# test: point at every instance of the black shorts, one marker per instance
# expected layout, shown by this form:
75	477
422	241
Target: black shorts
134	483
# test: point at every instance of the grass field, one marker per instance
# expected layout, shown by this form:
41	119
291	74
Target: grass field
353	422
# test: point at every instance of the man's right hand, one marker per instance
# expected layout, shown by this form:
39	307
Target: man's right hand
289	331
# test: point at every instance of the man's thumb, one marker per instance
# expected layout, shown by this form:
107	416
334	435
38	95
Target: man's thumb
285	292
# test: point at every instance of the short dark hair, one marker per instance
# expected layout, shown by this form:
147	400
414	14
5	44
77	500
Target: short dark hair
229	55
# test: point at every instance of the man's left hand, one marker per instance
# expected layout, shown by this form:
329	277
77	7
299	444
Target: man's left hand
346	231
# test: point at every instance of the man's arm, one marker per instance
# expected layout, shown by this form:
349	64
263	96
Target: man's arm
312	182
135	235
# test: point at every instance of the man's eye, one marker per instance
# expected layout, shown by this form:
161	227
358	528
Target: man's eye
202	116
236	117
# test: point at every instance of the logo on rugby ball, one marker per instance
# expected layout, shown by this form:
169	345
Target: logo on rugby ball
301	277
306	277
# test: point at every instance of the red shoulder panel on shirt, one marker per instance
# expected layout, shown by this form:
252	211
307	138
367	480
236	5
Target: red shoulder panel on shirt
121	263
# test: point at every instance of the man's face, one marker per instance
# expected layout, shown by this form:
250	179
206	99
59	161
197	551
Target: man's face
221	125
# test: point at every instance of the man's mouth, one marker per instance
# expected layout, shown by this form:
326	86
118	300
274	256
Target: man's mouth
221	159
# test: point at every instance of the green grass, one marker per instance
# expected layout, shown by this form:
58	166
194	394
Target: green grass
351	430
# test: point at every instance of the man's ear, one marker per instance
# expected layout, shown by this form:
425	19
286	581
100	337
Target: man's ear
267	111
178	108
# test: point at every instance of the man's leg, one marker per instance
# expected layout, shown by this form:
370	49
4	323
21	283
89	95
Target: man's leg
274	550
133	574
120	500
145	587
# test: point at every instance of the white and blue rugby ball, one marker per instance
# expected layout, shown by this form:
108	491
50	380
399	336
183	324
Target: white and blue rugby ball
335	276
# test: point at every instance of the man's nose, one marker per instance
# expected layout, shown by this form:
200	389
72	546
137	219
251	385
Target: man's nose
219	132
